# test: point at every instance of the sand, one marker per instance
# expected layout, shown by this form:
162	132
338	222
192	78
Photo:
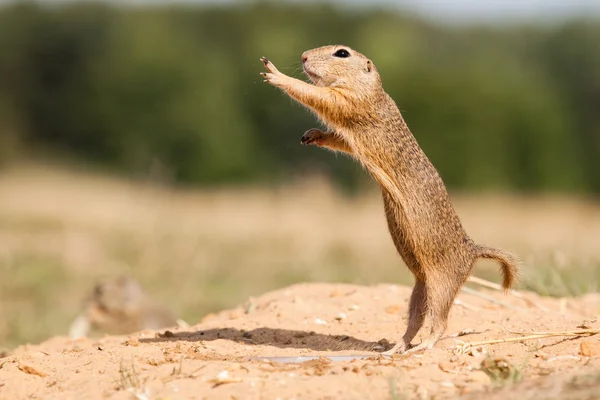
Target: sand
220	357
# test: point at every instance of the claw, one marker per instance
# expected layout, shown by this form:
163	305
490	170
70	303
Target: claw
269	65
399	348
305	139
311	136
273	76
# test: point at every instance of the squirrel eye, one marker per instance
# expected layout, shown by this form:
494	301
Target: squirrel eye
342	53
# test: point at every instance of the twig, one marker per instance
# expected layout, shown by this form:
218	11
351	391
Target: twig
495	286
465	332
178	375
579	332
563	358
490	298
223	378
469	307
463	347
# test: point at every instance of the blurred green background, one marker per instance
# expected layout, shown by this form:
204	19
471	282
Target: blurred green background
140	139
125	88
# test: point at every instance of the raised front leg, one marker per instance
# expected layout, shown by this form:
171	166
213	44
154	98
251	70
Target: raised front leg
330	140
327	102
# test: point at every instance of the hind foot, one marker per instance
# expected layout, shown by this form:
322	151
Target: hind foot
426	345
402	348
399	348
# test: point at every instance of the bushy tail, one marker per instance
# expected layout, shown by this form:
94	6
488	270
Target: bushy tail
509	263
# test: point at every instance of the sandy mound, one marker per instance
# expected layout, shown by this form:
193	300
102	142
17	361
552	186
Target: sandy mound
214	359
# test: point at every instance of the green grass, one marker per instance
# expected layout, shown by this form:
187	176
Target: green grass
32	300
202	252
572	280
40	296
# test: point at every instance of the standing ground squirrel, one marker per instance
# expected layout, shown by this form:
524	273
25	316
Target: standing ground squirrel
364	122
119	306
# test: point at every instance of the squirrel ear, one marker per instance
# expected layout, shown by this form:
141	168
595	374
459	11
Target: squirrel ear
369	66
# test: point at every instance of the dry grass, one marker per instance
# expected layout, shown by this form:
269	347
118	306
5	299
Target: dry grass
199	251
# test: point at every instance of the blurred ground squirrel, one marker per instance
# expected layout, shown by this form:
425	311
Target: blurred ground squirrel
364	122
119	306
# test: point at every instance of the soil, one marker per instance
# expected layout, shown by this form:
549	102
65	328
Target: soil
220	358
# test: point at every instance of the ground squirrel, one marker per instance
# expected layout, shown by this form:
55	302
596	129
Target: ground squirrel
119	306
364	122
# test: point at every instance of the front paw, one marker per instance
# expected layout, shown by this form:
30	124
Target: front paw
269	65
314	137
274	77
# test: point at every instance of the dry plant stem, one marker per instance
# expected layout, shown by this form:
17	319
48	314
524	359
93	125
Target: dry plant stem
464	333
495	286
489	298
541	335
469	307
580	332
488	284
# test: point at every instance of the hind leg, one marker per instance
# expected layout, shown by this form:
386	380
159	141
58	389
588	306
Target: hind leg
416	316
440	297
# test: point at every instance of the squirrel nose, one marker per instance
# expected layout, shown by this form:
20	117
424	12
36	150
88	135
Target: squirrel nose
304	58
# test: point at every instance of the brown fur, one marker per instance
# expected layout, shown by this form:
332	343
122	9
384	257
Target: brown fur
119	306
364	122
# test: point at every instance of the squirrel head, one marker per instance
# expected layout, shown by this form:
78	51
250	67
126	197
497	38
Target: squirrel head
121	294
340	66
